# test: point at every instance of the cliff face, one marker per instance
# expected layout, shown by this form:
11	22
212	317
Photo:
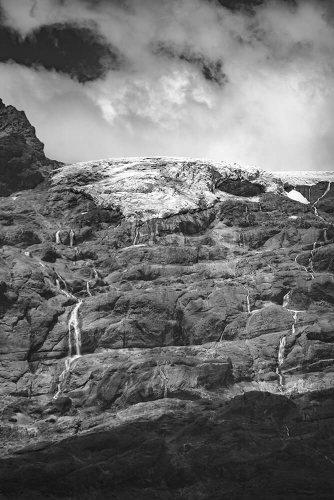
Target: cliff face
23	164
167	332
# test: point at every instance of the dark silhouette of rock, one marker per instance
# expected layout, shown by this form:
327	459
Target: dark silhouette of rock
23	164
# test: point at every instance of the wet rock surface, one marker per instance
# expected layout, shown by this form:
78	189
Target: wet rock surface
180	356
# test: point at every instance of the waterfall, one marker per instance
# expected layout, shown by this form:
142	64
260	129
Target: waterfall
327	190
73	323
248	305
309	194
58	240
71	238
164	376
60	278
96	274
68	362
325	235
320	198
295	314
296	261
247	300
286	299
324	194
65	290
136	236
281	348
88	289
282	344
280	377
291	311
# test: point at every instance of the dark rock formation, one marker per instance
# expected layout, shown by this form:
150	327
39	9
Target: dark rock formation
23	164
166	332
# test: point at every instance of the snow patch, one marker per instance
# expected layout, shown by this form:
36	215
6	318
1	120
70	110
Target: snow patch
297	196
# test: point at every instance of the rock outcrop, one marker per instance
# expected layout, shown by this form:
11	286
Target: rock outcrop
167	332
23	164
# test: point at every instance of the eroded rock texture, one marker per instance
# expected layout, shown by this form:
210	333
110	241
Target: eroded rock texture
164	338
23	164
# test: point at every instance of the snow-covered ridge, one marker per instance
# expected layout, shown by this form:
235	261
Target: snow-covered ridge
304	178
157	187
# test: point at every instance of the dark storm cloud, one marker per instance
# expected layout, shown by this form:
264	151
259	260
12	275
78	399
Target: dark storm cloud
248	5
68	48
211	70
251	82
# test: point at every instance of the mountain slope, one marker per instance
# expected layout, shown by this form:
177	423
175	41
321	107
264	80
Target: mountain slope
166	332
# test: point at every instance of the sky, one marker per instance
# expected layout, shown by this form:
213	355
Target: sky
245	82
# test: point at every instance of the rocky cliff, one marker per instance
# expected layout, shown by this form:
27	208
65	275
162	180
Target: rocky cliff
167	333
23	164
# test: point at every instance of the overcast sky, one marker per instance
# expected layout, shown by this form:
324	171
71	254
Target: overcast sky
101	79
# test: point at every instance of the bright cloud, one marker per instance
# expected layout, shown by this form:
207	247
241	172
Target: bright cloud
276	111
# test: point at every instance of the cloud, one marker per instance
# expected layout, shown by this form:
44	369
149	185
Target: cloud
273	105
77	49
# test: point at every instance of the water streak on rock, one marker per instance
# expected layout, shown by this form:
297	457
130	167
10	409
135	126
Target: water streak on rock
286	299
295	316
65	289
247	300
71	238
281	349
136	236
317	201
73	324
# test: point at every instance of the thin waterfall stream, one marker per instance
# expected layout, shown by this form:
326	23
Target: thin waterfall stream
247	300
64	290
72	238
73	325
280	361
283	340
74	344
317	201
